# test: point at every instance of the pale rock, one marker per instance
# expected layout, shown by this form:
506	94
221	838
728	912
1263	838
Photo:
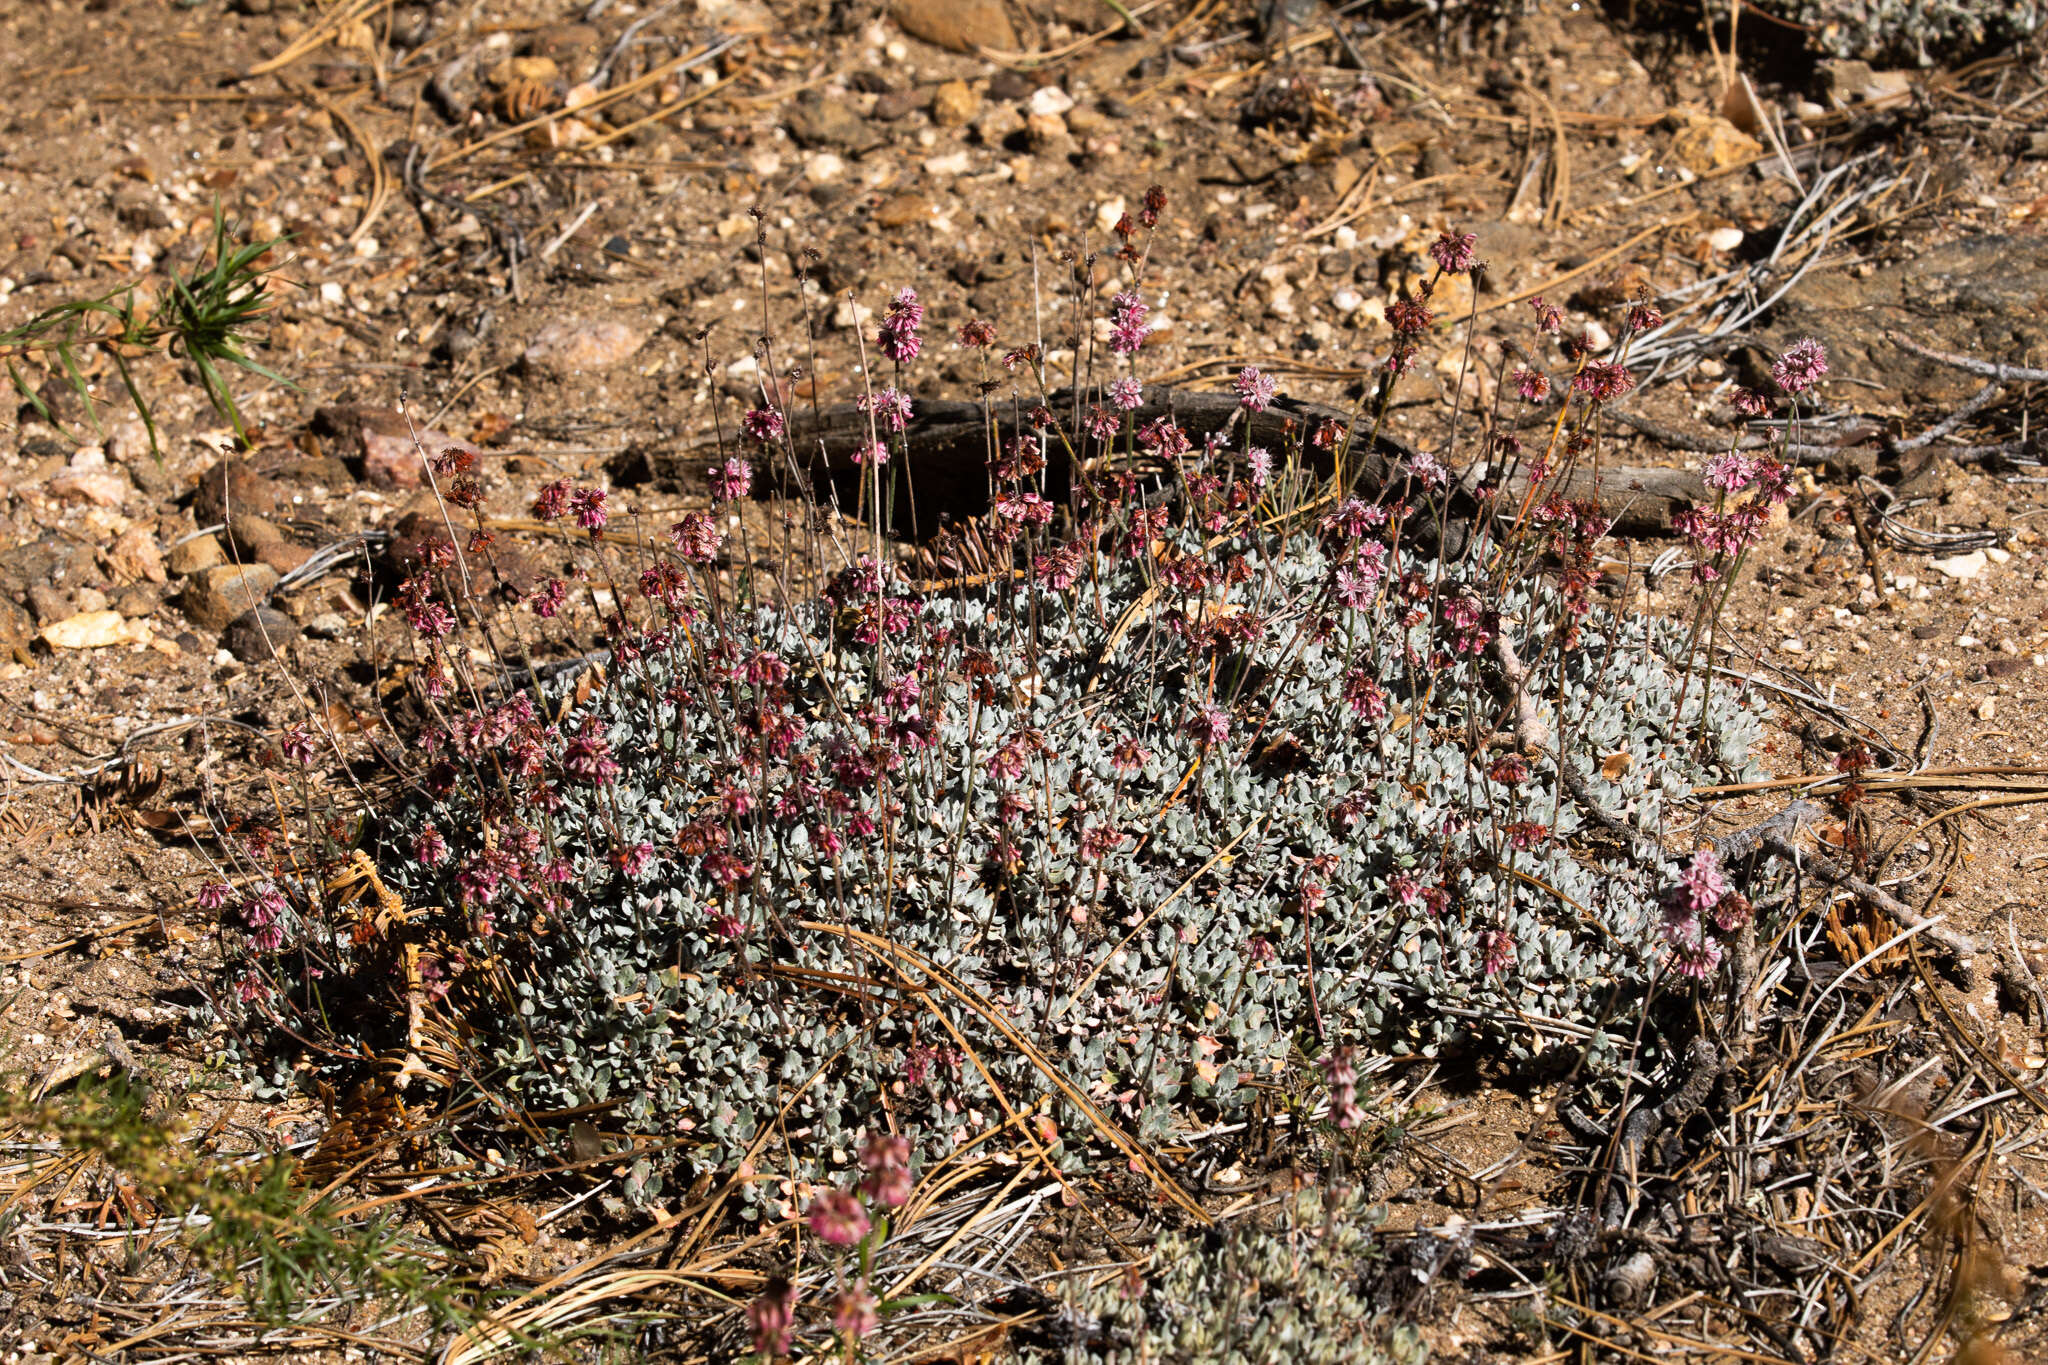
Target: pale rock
949	164
1725	238
1597	336
822	168
1049	99
129	444
95	630
1346	300
101	487
583	345
1987	709
1998	554
1109	213
250	533
1962	568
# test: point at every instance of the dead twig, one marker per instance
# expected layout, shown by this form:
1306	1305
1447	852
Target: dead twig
2004	374
1959	944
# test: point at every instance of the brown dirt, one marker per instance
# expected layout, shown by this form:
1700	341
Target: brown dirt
823	119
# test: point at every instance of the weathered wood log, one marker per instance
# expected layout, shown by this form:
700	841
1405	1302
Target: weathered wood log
949	443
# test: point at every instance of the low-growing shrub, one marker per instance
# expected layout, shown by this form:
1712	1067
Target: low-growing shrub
1219	769
1244	1295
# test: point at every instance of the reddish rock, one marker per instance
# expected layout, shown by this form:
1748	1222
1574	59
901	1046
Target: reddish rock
957	25
284	556
381	442
134	557
504	568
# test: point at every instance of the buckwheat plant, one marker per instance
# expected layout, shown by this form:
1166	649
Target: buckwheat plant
1220	771
1246	1295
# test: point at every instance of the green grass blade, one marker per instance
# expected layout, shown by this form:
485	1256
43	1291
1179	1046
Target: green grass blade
141	407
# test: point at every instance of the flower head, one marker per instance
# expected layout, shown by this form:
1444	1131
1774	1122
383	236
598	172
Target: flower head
587	505
1127	314
1497	950
1455	252
1801	366
552	502
772	1318
1703	882
1210	724
890	407
1749	402
1340	1074
1254	389
696	537
547	599
1409	317
1126	394
1696	959
763	425
731	480
855	1312
1532	385
297	745
897	337
1261	461
838	1217
1603	380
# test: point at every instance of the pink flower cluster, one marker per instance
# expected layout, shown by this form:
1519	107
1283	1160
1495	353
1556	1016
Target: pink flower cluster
1127	313
898	338
1340	1073
1700	896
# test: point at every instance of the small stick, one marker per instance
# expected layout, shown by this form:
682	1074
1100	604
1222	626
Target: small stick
1970	364
1959	944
